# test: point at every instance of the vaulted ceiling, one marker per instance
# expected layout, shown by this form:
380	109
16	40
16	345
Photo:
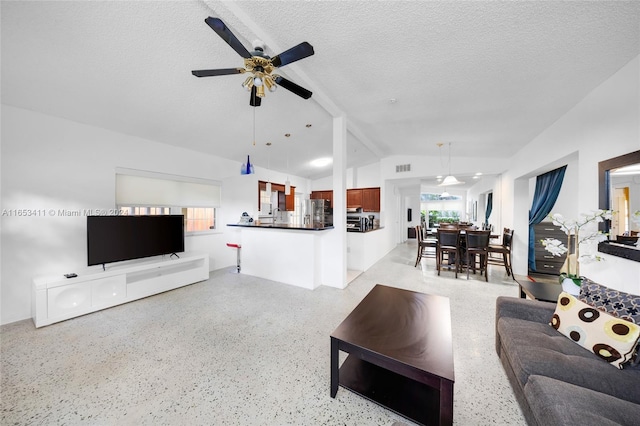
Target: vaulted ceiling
486	76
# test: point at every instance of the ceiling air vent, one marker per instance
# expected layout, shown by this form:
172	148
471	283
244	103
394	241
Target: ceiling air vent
403	168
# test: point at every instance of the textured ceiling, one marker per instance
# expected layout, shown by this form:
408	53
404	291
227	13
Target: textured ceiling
486	76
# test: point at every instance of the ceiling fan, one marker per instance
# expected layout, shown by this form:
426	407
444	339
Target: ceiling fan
260	65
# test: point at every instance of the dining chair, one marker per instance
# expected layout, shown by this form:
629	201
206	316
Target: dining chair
447	225
426	245
477	244
503	250
449	244
627	240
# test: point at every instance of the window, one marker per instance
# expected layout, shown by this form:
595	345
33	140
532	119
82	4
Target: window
140	210
146	193
199	219
435	209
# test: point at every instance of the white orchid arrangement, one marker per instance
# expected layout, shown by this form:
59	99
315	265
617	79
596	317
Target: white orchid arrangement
580	231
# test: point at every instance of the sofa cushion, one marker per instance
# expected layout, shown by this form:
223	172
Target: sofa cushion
617	303
533	348
554	402
612	339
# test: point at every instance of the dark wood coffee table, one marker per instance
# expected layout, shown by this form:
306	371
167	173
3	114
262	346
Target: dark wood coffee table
400	354
539	287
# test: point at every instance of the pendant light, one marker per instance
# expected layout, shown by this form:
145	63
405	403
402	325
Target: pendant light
268	188
287	184
247	168
450	179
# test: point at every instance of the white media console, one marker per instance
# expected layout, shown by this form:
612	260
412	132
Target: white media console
57	298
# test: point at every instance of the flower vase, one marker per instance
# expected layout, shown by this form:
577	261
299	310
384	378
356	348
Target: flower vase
571	285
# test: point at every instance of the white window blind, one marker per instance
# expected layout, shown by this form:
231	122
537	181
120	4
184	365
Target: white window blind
152	191
443	205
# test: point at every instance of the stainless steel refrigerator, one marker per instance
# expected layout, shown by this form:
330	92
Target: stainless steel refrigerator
318	213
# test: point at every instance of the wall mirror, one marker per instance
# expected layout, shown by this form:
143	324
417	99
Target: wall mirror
619	181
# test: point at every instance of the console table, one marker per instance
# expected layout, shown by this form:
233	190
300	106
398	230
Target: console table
57	298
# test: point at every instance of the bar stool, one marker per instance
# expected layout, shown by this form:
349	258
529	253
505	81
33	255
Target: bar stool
238	247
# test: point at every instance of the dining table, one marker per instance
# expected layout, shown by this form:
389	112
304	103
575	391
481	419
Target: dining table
462	242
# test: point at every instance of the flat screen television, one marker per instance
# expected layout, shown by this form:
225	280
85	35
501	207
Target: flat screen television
117	238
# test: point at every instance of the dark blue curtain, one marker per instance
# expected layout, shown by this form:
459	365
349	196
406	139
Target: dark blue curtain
489	207
547	189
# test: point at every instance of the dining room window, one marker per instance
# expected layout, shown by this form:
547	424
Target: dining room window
436	209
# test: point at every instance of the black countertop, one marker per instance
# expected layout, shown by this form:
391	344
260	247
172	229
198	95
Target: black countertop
313	227
366	230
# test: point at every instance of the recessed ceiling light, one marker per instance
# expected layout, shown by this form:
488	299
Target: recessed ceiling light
439	177
393	100
286	135
479	174
321	162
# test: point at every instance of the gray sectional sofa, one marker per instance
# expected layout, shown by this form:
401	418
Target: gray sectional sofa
556	381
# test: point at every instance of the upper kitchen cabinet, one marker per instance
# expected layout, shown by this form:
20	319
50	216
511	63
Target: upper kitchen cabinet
284	202
354	198
366	198
322	195
370	199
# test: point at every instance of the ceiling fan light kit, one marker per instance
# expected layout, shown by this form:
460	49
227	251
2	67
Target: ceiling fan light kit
260	65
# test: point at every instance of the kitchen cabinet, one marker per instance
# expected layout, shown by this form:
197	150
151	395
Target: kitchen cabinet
366	198
371	199
285	202
322	195
354	198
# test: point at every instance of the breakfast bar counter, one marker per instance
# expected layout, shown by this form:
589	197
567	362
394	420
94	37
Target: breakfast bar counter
312	227
290	254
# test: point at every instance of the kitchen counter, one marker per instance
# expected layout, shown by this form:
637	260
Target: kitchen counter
280	252
316	227
366	248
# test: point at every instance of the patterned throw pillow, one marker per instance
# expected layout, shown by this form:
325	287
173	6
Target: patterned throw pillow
612	339
617	303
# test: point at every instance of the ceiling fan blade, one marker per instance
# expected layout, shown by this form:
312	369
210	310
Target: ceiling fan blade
225	33
292	87
296	53
222	71
255	100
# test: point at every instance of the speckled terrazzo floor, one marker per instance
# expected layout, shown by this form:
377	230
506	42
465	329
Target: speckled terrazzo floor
238	350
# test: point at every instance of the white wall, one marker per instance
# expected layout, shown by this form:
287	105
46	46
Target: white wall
366	176
323	184
479	192
52	164
360	177
603	125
